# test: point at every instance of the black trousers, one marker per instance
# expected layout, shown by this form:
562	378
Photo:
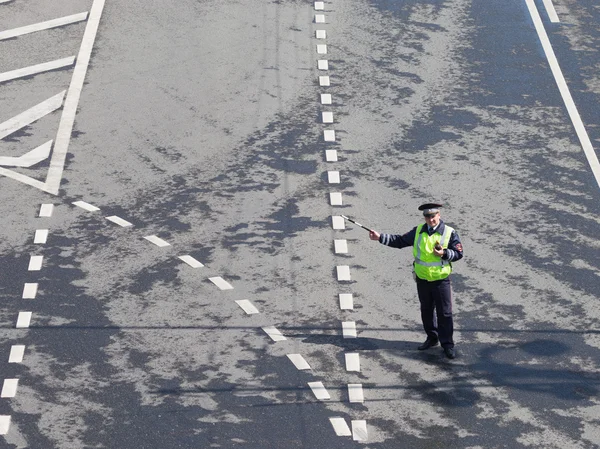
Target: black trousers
436	310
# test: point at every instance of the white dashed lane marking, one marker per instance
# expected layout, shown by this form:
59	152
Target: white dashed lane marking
335	199
157	241
319	6
324	80
46	210
333	177
119	221
327	117
329	135
86	206
359	430
337	222
23	320
340	246
340	427
16	354
4	424
321	34
299	361
352	361
355	393
323	64
191	261
41	236
346	301
343	273
247	306
320	18
319	390
274	333
35	263
325	98
30	290
9	388
348	329
221	283
43	25
331	155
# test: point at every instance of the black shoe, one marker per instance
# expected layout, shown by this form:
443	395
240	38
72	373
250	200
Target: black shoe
429	343
450	353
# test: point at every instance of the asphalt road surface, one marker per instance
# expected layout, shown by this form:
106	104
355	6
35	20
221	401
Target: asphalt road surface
174	272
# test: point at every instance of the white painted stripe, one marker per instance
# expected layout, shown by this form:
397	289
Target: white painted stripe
319	18
321	34
23	320
65	127
31	115
324	80
119	221
247	306
335	198
46	210
4	424
157	241
359	430
16	353
41	236
566	94
331	155
325	98
35	263
191	261
329	135
349	329
338	222
221	283
551	11
343	273
319	6
327	117
355	393
323	64
299	361
322	49
319	390
30	158
346	301
274	333
333	177
352	361
22	178
30	290
43	25
340	246
9	388
86	206
340	427
38	68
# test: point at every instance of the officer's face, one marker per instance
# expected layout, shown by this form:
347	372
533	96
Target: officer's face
432	220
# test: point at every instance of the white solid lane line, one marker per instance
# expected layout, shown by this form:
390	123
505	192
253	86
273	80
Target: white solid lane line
191	261
221	283
274	333
16	354
352	361
346	301
9	388
86	206
359	430
46	210
67	119
343	273
31	115
299	361
23	320
41	236
584	139
35	263
119	221
4	424
340	426
349	329
247	306
30	290
8	34
36	69
355	393
157	241
551	11
319	390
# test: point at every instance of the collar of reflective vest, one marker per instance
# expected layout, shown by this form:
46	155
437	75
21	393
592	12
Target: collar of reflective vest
427	265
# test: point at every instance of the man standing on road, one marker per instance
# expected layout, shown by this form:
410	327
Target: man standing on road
435	246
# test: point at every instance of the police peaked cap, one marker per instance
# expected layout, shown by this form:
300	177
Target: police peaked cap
430	208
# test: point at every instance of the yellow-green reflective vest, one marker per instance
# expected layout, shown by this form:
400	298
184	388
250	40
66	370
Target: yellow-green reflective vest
427	265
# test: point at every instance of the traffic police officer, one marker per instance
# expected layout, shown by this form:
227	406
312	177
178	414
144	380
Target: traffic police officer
435	246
